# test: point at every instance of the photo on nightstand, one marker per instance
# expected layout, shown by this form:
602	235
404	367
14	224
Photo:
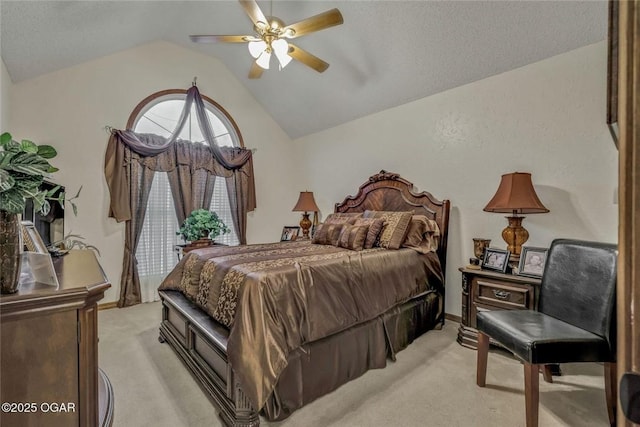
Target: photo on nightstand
289	233
495	259
532	261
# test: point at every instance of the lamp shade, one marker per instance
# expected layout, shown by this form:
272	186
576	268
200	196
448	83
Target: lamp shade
516	195
306	203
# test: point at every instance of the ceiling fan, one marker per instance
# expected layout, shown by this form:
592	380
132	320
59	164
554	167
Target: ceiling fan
272	35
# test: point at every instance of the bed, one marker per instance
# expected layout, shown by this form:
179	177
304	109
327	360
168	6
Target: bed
268	343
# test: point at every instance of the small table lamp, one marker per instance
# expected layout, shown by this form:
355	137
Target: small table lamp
515	195
306	204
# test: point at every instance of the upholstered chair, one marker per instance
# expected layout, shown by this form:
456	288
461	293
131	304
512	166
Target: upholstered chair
575	321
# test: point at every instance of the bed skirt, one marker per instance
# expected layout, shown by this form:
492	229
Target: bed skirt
319	368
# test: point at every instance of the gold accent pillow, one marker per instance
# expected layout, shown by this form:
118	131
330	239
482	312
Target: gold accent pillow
353	237
327	234
342	217
395	228
375	227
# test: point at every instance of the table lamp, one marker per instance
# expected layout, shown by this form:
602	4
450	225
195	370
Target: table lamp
306	204
515	195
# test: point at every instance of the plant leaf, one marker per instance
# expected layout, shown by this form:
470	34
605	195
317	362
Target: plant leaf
28	146
51	192
12	201
5	138
47	151
5	158
28	163
6	180
75	209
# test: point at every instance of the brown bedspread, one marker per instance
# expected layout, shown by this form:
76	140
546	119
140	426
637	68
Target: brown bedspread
276	297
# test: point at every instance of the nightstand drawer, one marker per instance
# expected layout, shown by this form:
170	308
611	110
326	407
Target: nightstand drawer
503	295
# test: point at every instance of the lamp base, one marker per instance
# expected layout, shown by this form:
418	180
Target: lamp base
515	235
305	225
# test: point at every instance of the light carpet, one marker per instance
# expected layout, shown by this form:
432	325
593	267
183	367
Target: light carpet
432	383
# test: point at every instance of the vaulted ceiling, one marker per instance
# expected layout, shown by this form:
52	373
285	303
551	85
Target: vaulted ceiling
386	53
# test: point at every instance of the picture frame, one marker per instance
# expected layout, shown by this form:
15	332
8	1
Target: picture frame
532	261
495	259
289	233
31	239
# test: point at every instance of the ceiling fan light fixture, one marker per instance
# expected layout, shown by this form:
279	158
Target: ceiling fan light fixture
256	48
264	59
281	49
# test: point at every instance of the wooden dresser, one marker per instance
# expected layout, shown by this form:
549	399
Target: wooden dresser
487	290
49	349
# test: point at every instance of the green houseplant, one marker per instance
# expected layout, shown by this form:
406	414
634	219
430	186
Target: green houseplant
202	224
23	167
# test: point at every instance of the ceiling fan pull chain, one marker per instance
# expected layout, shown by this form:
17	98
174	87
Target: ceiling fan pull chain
193	83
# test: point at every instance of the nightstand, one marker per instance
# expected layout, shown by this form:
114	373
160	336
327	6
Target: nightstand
182	249
484	290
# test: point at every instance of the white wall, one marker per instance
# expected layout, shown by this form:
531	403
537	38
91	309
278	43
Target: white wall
547	118
70	108
5	87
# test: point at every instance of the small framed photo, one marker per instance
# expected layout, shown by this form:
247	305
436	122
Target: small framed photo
532	261
289	233
495	259
31	238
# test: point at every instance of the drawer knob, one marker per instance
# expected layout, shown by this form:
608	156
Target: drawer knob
501	294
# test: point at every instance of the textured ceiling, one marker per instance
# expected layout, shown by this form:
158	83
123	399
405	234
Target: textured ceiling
386	53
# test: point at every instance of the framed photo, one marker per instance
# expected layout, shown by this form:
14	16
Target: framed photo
289	233
495	259
532	261
32	239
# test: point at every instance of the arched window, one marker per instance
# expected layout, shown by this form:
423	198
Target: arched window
159	114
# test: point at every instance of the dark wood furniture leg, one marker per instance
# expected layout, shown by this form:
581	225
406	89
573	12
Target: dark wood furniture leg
547	373
483	353
611	390
531	393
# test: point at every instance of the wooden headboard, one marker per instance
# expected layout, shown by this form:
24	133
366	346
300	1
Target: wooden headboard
387	191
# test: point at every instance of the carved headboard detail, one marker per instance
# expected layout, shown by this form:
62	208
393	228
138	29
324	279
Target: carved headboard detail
387	191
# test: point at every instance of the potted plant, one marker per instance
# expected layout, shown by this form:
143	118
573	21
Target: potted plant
23	166
201	227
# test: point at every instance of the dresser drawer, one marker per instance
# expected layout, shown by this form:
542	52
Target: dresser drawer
503	294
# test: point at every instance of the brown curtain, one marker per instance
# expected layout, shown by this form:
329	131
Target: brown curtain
193	179
141	179
192	171
242	198
132	158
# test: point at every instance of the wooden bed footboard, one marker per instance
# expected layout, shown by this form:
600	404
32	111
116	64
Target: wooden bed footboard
201	344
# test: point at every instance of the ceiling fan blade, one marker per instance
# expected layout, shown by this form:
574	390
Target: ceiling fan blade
253	10
307	59
216	39
318	22
256	71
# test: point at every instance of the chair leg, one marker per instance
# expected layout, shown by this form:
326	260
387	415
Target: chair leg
531	393
546	373
611	390
483	352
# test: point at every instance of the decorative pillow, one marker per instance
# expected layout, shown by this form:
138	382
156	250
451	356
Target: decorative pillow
353	237
327	234
395	228
342	217
375	227
422	235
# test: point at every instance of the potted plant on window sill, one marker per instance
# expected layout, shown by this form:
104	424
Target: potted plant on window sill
23	167
201	227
